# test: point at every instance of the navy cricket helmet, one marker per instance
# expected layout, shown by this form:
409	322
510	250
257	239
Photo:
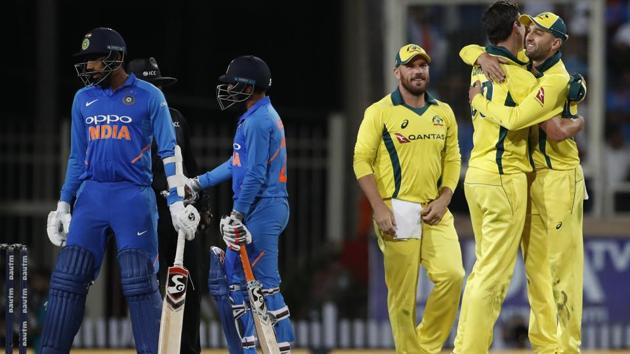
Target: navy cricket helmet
101	42
241	77
147	69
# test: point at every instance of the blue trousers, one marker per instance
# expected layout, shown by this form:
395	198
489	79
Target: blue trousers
265	222
126	209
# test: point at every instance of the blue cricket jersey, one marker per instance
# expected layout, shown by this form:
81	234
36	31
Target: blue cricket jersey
258	165
112	132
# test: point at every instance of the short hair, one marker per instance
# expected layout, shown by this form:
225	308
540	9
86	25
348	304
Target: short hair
498	20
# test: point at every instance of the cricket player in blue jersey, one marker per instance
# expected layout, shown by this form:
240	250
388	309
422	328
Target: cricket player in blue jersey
260	211
115	118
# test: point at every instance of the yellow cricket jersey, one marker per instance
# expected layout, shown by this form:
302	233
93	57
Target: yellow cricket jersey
495	148
547	100
557	155
412	152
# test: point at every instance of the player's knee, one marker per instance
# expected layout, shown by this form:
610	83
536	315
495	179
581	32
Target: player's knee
278	308
217	280
136	273
455	276
237	301
275	304
74	270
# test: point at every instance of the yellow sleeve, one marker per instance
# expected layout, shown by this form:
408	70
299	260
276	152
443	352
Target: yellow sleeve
470	53
452	159
368	140
541	104
522	56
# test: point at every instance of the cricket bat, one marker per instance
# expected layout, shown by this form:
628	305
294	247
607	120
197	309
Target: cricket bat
174	302
262	319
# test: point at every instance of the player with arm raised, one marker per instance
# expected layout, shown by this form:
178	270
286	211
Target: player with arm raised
260	211
496	189
115	118
557	189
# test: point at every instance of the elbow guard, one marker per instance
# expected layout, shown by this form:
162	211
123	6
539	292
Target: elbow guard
174	170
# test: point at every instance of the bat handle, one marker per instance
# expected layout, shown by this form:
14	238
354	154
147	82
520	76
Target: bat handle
247	267
179	251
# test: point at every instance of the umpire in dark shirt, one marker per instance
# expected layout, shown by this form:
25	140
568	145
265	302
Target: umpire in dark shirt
147	69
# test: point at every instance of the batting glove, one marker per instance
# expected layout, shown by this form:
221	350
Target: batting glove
185	218
58	224
234	232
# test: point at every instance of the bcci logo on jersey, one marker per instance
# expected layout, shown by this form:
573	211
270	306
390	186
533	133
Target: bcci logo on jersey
102	129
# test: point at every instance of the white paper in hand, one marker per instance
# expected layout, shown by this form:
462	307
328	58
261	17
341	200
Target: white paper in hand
408	220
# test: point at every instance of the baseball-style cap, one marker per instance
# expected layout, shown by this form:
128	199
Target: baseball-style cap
410	51
147	69
548	21
101	41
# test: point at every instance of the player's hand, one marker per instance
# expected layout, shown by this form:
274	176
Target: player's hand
491	67
234	232
384	218
185	218
436	209
474	90
58	224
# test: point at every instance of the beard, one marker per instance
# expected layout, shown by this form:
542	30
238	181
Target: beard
415	89
537	53
239	108
105	82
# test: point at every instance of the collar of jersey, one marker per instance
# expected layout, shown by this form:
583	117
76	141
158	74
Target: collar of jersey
504	52
397	100
131	79
263	101
546	65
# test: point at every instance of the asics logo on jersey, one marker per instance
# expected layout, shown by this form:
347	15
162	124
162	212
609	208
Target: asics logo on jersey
87	104
107	119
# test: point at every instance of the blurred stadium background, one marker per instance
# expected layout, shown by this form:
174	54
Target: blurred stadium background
329	60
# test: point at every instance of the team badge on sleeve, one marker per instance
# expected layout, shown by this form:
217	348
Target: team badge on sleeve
540	96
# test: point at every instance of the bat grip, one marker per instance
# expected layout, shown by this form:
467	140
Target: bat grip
247	267
179	251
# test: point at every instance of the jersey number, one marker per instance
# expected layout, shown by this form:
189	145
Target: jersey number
486	91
